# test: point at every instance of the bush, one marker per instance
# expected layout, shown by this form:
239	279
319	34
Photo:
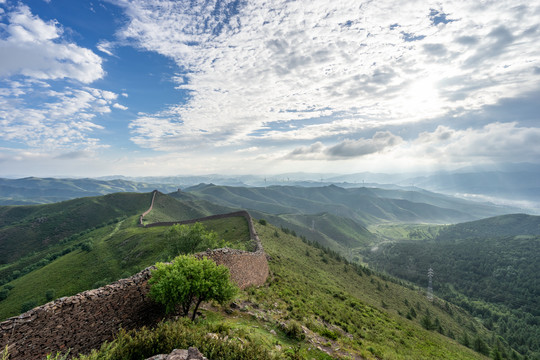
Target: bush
87	246
262	222
50	294
180	334
293	330
184	239
4	294
189	280
28	305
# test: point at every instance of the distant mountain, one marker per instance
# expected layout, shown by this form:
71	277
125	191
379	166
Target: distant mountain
517	185
499	226
34	190
365	205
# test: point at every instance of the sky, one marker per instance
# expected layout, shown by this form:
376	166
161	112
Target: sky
157	87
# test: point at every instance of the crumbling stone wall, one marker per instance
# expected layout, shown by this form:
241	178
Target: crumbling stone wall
84	321
81	322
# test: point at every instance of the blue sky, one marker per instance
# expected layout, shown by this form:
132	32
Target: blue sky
148	87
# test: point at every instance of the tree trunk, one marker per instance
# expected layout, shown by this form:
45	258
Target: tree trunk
196	308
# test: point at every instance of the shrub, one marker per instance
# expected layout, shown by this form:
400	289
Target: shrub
4	294
50	294
262	222
87	246
189	280
28	305
184	239
293	330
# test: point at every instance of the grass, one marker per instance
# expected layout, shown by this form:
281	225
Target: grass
315	305
117	251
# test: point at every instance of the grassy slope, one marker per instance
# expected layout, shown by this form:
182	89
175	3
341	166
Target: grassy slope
182	206
26	229
318	287
338	309
118	251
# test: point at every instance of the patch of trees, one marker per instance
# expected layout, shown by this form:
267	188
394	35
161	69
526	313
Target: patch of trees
495	279
189	239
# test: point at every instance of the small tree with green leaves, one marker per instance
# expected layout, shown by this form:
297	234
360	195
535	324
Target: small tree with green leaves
184	239
187	281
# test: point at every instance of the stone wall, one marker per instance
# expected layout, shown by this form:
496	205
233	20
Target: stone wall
84	321
81	322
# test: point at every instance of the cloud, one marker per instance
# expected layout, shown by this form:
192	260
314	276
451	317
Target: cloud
347	149
105	47
74	155
34	48
45	101
250	66
65	121
119	106
361	147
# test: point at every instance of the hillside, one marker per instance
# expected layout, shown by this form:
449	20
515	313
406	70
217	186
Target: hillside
339	307
487	266
32	190
315	305
27	229
100	257
364	205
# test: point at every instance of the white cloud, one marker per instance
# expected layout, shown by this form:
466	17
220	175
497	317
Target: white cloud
105	47
64	122
496	142
34	48
120	106
288	61
37	109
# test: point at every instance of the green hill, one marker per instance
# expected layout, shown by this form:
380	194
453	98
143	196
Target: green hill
505	225
26	229
364	205
489	267
102	256
315	305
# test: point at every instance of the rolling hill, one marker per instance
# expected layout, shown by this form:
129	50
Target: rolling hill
489	267
316	303
365	205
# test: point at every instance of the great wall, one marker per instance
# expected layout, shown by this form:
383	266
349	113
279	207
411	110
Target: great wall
84	321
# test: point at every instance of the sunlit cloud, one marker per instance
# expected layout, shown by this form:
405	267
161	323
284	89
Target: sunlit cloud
250	66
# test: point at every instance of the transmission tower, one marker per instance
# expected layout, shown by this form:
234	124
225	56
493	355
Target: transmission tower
430	284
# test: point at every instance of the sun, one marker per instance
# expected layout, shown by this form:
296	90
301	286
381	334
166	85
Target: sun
421	99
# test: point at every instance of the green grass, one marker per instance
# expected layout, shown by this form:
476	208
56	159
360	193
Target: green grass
118	251
399	232
28	229
334	306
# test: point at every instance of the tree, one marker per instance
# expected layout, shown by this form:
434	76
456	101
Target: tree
188	280
185	239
